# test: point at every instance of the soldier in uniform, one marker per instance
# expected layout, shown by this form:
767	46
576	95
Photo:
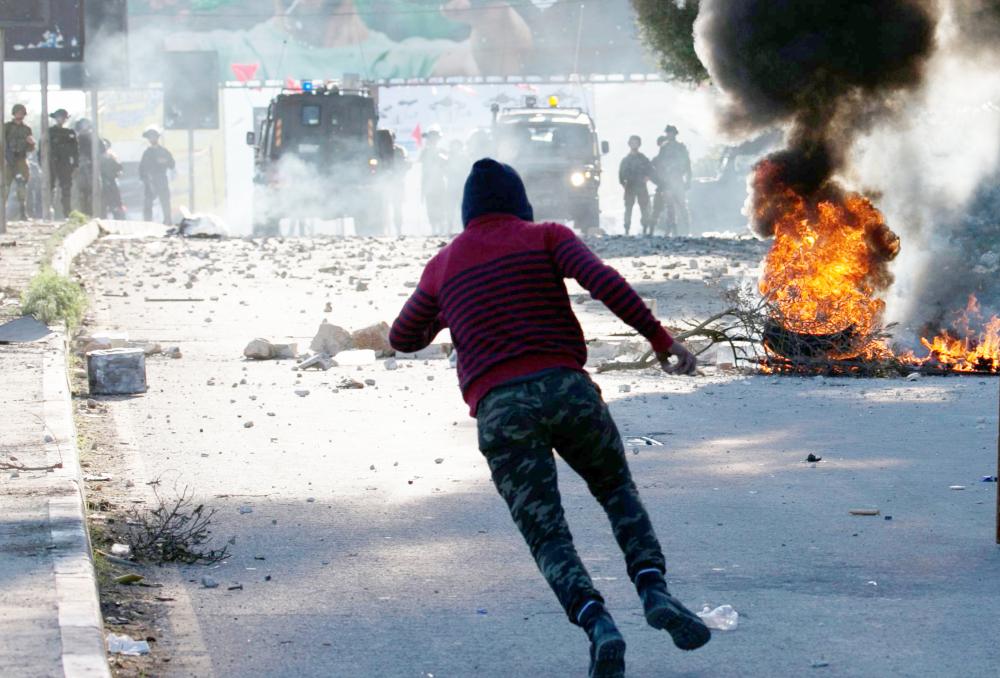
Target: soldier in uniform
434	181
672	175
153	167
19	142
85	168
633	174
64	159
396	186
111	196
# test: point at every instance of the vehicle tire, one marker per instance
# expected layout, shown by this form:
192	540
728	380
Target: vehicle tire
587	217
265	227
367	221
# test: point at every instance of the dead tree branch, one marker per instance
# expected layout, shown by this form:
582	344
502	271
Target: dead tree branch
174	531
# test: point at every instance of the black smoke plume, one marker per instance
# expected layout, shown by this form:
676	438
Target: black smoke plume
826	69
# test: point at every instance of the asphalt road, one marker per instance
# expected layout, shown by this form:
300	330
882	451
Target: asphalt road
384	562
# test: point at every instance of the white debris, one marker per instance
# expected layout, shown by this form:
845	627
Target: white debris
722	618
352	357
200	225
121	550
121	644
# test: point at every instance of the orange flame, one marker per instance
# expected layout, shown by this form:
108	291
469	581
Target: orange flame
828	264
972	351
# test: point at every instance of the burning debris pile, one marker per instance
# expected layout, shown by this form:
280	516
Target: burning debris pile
827	71
825	270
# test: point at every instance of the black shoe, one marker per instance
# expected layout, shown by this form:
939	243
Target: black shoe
607	647
665	612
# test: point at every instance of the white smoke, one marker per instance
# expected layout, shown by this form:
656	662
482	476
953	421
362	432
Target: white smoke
925	166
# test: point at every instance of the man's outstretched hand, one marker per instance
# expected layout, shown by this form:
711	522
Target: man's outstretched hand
684	363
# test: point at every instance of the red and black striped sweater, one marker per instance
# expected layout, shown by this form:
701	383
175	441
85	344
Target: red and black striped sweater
498	287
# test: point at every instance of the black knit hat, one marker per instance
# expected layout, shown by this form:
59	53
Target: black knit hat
493	187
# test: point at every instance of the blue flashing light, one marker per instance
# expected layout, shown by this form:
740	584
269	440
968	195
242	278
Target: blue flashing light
307	85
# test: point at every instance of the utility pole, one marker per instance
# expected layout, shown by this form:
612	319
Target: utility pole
3	142
45	165
95	157
191	169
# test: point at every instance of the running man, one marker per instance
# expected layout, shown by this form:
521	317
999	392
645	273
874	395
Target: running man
499	287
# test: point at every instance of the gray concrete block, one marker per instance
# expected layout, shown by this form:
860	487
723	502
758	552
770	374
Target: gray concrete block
117	371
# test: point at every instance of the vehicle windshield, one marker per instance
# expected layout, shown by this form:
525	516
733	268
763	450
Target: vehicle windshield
548	140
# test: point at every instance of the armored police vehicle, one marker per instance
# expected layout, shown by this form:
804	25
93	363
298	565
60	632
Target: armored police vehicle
558	154
317	157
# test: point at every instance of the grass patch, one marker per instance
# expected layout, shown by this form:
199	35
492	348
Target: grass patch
77	218
75	221
103	570
52	298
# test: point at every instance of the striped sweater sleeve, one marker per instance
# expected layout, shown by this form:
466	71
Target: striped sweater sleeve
574	260
418	323
421	319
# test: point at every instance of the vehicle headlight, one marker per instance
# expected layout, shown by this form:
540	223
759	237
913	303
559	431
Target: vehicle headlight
373	162
577	179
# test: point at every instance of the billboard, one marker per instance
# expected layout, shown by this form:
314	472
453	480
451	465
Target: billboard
395	39
23	13
105	63
60	39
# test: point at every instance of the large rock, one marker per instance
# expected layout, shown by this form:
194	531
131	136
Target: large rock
374	337
259	349
262	349
331	339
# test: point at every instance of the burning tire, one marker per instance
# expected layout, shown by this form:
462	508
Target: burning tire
790	344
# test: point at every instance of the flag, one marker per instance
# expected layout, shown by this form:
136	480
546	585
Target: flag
418	135
244	72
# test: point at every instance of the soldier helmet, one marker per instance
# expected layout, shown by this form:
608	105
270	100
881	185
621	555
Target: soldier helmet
151	133
59	113
434	129
670	130
18	108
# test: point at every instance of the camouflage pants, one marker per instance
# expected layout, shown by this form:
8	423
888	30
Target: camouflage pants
519	425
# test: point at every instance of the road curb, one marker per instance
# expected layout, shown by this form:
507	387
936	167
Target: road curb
81	626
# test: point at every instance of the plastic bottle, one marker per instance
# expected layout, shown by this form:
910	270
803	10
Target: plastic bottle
722	618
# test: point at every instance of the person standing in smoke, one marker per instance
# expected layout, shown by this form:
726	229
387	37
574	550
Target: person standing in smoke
395	185
499	287
457	170
634	173
153	167
434	181
64	158
672	174
85	169
111	170
18	143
